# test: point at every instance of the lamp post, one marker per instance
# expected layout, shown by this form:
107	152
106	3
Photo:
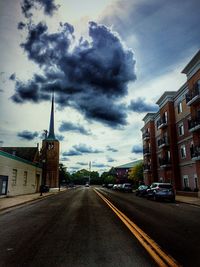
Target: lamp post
90	163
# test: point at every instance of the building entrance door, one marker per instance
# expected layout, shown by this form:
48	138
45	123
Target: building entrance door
3	185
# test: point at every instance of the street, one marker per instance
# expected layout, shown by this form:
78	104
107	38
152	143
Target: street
77	228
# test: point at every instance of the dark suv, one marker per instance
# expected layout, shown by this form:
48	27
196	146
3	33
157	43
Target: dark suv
161	191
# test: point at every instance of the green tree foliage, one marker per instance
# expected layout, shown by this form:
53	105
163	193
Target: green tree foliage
64	176
83	176
136	173
109	179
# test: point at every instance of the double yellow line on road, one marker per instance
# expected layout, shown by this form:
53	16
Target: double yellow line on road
160	257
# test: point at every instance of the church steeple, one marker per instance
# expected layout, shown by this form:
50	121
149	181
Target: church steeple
51	134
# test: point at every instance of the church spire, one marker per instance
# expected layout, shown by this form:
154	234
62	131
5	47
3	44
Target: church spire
51	134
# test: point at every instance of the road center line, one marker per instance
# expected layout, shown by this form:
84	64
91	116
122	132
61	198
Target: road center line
160	257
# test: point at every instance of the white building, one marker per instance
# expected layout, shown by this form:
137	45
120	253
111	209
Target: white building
18	175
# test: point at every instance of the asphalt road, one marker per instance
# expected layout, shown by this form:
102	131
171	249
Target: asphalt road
74	228
174	226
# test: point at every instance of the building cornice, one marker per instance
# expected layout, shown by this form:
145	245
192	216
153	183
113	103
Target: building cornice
168	96
7	155
149	117
193	65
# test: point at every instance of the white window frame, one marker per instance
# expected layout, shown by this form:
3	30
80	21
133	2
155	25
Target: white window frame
181	129
196	184
166	117
183	152
186	181
180	107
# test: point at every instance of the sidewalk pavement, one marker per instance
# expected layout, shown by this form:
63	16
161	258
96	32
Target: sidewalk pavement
9	202
188	200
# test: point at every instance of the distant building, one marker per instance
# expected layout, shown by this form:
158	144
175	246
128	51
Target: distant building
171	137
122	171
20	171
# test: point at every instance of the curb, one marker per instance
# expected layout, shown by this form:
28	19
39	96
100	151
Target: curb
29	201
189	203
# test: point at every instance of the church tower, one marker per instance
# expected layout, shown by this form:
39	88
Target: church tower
50	154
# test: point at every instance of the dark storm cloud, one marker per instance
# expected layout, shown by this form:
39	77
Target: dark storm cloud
64	159
70	127
82	163
139	105
110	159
60	137
81	149
155	30
48	6
71	152
99	165
91	77
84	149
12	77
109	148
137	149
21	25
27	135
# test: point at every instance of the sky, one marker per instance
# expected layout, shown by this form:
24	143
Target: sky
107	61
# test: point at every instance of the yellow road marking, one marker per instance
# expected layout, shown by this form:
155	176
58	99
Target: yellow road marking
160	257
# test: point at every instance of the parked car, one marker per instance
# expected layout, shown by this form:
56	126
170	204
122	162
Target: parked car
126	187
114	187
109	186
119	187
161	191
87	184
141	190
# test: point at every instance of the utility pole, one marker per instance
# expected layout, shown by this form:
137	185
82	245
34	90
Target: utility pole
90	164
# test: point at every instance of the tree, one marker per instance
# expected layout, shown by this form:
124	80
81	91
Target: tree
136	173
64	176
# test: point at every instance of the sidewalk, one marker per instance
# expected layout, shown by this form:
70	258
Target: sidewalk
188	200
9	202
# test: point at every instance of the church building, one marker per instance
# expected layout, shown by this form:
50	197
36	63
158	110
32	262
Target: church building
50	155
24	169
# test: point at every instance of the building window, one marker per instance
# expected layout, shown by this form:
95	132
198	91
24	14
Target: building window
180	107
183	152
157	123
181	129
25	177
14	177
165	116
168	155
196	182
185	181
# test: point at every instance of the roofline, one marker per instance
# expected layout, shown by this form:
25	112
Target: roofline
164	96
7	155
121	166
192	62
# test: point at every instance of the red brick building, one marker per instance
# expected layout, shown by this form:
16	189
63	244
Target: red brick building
171	137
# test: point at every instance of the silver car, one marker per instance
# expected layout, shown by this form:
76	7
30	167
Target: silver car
161	191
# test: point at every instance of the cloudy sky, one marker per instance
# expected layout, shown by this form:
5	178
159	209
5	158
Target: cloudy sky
107	61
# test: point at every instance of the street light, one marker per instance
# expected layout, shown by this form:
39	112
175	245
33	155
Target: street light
90	164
